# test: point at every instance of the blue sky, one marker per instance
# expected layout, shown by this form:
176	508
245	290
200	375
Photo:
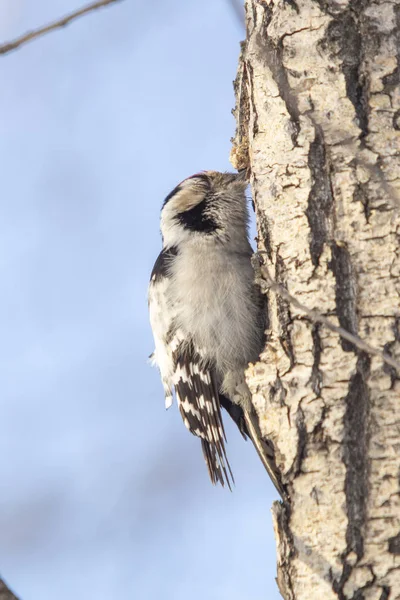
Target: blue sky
104	494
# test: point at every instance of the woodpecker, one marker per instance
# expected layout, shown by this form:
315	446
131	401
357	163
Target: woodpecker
207	315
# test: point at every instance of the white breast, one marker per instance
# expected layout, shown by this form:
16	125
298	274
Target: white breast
215	303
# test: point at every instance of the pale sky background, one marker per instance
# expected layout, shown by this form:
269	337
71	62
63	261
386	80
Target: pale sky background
104	494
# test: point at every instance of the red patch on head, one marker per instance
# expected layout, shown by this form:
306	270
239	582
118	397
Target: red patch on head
199	174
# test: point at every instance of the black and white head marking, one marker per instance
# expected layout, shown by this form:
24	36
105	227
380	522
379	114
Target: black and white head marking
205	204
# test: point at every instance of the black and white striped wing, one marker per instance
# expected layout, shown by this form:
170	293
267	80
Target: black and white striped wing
198	400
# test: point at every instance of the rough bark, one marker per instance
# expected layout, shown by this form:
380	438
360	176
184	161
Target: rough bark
318	128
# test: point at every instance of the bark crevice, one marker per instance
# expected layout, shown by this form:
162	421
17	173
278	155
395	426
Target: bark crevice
392	80
355	455
394	544
344	38
320	198
385	593
283	313
316	373
345	292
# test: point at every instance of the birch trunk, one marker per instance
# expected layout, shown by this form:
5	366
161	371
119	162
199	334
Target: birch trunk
318	128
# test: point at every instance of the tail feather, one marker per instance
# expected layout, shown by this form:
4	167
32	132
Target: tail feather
214	448
218	470
265	451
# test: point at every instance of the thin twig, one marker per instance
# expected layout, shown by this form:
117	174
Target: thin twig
317	317
31	35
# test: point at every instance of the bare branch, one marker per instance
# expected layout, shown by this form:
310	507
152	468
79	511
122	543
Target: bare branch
267	282
5	592
31	35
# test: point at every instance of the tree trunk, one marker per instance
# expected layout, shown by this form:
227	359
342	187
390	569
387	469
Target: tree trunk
318	128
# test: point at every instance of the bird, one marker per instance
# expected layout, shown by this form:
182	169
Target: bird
208	316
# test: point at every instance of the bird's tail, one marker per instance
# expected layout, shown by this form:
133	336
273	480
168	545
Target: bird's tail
264	449
217	463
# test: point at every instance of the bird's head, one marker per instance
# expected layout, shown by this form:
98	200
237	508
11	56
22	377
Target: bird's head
204	205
